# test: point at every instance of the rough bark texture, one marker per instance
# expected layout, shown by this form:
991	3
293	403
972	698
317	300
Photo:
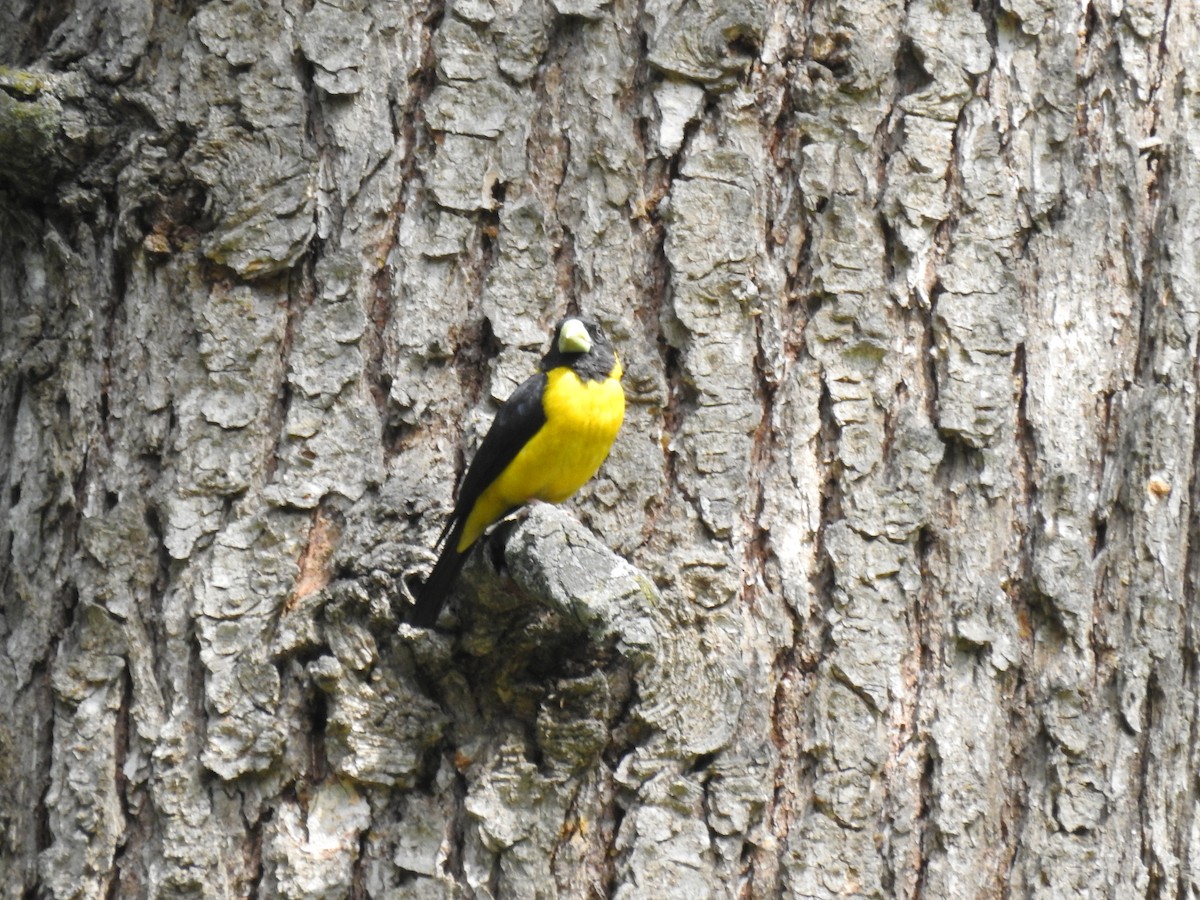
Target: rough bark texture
888	589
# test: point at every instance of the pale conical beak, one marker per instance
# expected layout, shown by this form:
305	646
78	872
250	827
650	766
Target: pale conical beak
573	337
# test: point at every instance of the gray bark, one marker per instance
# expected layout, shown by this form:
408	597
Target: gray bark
887	589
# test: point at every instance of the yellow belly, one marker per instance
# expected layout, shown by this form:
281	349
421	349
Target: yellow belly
582	421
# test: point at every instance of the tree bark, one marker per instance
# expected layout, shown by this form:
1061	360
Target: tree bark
888	588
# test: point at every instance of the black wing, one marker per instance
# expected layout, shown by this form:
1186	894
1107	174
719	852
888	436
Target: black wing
516	422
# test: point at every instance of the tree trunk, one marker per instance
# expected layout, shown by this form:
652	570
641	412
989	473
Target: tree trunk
887	589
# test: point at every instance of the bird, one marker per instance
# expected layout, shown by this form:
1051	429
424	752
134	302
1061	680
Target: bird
547	440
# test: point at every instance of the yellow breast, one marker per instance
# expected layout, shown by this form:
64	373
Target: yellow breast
582	421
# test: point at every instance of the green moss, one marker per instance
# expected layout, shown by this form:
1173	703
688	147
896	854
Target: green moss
30	120
27	118
18	81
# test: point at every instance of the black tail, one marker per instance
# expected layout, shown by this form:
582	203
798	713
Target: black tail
437	586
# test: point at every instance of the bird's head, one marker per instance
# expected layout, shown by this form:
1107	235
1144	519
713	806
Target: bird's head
580	342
